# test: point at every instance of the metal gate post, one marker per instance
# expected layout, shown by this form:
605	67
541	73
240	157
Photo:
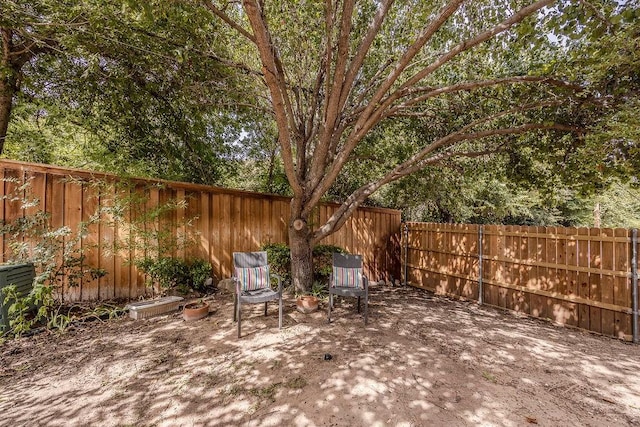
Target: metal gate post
480	290
406	251
634	281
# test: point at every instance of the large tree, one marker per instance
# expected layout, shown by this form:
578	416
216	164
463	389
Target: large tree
111	85
24	35
335	70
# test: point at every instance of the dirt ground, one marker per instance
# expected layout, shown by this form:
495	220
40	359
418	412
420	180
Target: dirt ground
422	360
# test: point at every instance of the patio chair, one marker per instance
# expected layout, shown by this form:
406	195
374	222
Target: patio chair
347	280
253	284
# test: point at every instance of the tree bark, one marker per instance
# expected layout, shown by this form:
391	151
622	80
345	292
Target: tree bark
597	218
8	88
301	256
315	149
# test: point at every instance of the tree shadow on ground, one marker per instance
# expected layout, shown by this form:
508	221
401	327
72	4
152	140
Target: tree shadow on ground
422	360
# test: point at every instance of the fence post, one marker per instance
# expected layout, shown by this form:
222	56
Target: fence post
480	290
634	282
406	251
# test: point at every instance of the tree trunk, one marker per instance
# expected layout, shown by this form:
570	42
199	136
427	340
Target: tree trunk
8	88
301	256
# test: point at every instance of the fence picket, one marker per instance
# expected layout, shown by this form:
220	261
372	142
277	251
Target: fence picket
584	289
574	276
607	282
90	289
622	285
595	279
568	276
122	255
72	218
224	220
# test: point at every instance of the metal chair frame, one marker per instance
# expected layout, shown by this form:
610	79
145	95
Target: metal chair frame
252	260
349	261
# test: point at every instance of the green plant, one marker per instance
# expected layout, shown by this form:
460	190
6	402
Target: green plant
147	229
323	261
19	310
199	271
279	256
173	273
319	289
59	321
57	253
165	272
489	377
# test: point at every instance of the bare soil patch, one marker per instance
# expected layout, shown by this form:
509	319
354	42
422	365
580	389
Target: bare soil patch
422	360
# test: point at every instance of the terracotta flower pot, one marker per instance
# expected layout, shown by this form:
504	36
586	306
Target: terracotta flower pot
307	304
195	311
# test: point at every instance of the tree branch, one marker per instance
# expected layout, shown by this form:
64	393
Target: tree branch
517	109
419	161
6	45
327	140
340	158
372	82
597	13
411	52
27	51
332	111
375	110
226	18
480	38
330	14
363	49
278	89
237	65
374	114
467	86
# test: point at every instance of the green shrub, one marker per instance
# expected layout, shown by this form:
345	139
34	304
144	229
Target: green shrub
199	272
323	261
173	273
58	254
279	256
320	289
165	272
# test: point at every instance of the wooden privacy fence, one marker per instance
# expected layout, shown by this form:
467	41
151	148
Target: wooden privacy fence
220	221
581	277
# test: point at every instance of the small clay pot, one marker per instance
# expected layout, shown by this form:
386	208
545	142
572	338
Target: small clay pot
195	311
307	304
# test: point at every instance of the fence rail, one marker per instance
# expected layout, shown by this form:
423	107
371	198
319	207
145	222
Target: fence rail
220	221
581	277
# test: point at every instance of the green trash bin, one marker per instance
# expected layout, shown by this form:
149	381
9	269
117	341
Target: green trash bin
20	275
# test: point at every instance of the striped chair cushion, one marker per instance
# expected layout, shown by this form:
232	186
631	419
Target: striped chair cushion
253	278
347	277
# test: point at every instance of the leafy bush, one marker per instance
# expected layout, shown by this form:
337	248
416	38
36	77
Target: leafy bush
166	272
279	256
173	273
323	261
199	271
320	289
59	256
20	308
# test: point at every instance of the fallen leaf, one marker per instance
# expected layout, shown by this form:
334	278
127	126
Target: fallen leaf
531	420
